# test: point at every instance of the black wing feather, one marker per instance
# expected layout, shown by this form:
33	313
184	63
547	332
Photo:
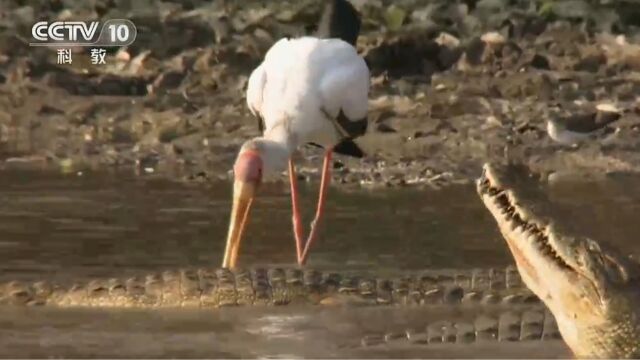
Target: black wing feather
345	147
339	20
349	129
354	128
349	148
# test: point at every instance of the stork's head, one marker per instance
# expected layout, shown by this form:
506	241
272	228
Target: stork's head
257	158
248	167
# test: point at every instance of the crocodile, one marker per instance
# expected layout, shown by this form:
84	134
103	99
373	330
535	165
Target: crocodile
511	326
592	289
210	288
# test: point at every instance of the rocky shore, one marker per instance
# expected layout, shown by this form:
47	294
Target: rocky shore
454	84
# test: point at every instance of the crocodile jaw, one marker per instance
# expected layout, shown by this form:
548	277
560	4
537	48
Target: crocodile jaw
533	245
594	304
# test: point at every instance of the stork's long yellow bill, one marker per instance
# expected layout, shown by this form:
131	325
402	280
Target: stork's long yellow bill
243	193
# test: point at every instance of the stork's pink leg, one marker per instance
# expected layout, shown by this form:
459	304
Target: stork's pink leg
298	230
324	185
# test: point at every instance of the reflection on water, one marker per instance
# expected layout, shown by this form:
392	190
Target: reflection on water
67	226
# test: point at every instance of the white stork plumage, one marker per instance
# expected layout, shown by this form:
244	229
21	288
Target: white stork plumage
307	90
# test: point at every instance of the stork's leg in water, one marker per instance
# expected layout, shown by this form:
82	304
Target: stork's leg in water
324	185
298	230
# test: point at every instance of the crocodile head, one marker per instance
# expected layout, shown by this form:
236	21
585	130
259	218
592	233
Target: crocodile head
592	291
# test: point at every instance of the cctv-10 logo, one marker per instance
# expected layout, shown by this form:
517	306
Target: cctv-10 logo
114	32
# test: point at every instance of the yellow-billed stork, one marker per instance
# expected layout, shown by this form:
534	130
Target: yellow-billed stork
308	90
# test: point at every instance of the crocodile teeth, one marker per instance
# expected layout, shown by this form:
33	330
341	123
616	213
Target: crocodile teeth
502	199
513	225
520	221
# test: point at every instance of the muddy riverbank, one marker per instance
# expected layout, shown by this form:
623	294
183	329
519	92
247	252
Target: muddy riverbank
454	84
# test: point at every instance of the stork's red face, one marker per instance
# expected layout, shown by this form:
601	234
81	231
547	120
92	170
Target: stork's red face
247	176
248	167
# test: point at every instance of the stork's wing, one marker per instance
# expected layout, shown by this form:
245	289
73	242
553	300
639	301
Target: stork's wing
345	100
345	96
255	87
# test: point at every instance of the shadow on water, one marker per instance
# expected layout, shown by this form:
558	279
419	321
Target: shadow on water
67	226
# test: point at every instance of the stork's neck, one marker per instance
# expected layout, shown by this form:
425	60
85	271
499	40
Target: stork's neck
275	152
281	134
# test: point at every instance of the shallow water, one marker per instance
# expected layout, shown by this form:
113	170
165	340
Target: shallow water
68	226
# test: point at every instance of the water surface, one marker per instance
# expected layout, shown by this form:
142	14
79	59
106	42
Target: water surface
102	225
74	227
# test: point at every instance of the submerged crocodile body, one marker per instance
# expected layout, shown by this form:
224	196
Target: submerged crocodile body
221	287
530	325
592	290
